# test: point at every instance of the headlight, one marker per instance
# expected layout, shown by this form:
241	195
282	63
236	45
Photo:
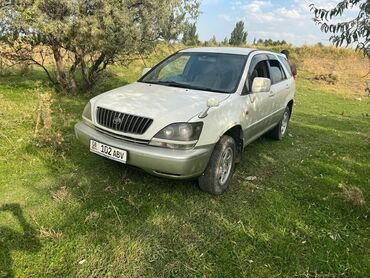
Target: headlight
86	115
178	136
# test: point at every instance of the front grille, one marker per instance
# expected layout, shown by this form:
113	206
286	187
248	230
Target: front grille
122	122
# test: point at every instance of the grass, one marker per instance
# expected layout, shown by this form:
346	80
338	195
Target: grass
66	212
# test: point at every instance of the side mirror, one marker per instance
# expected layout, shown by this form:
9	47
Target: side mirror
211	102
261	85
145	71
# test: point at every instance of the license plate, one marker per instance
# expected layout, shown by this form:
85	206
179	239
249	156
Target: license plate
108	151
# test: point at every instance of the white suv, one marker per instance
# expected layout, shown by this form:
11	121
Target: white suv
193	113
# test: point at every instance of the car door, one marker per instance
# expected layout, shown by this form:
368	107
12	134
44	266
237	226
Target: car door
257	108
280	88
290	82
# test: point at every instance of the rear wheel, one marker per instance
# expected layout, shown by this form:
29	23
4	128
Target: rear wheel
217	176
279	131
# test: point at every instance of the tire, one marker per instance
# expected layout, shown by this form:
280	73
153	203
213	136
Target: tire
281	129
217	176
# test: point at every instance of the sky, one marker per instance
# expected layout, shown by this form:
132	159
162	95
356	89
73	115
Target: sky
288	20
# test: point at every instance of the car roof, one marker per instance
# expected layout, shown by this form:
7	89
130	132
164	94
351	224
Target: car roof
225	50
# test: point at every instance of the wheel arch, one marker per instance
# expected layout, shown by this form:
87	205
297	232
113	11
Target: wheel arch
290	105
236	132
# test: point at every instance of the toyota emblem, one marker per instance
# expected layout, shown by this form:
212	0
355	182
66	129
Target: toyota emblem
117	121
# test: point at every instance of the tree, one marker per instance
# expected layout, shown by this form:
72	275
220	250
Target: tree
86	35
355	31
238	35
270	42
173	28
225	41
213	40
190	36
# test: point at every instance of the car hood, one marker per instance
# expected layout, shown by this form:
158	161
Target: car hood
163	104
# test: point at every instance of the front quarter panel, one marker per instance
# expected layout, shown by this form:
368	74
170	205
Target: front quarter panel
219	120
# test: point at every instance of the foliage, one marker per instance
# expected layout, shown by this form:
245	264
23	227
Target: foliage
270	42
238	35
213	40
87	35
355	31
190	36
173	27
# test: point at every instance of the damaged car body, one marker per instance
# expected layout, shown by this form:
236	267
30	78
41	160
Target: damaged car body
192	114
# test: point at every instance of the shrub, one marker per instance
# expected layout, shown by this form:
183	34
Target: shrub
44	134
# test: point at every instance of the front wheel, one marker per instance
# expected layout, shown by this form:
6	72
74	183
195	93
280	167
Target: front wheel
217	176
279	131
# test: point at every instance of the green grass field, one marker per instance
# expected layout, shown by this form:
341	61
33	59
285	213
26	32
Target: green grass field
66	212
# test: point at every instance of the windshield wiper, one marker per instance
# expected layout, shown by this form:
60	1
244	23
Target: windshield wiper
168	83
203	88
186	86
172	84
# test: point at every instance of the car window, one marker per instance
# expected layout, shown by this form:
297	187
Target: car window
277	73
285	62
176	68
215	72
260	70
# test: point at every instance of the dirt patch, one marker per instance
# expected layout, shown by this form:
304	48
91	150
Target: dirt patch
354	196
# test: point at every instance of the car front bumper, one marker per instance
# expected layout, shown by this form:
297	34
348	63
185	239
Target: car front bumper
177	164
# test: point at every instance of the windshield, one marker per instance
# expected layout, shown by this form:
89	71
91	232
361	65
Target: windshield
200	71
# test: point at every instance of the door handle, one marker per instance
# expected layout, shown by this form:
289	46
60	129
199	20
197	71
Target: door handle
271	94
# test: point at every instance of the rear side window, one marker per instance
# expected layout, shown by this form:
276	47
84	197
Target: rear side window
285	62
277	73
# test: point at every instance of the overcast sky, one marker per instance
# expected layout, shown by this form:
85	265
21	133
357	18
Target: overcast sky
288	20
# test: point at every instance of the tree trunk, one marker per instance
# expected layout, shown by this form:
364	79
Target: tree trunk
66	81
59	65
85	76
